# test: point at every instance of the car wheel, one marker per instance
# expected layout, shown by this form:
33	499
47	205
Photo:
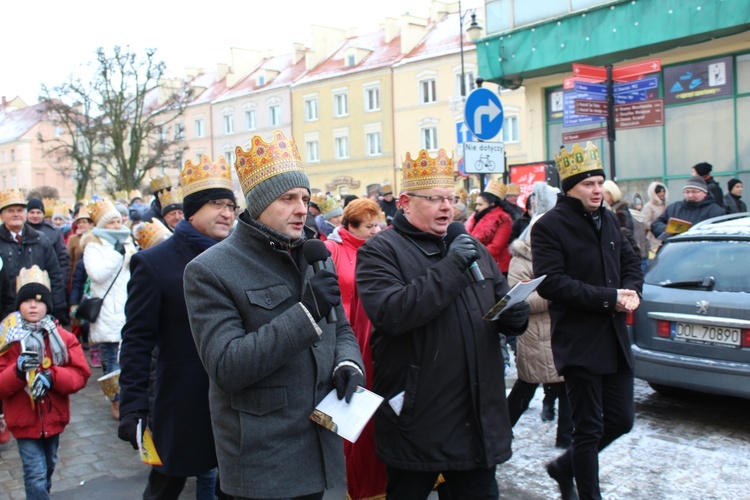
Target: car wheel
668	390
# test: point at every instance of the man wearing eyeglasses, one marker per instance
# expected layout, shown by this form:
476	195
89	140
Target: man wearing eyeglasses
156	316
435	360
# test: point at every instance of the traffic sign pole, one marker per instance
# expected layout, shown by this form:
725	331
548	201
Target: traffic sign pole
611	122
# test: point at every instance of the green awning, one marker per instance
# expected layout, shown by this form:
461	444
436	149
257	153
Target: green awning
606	35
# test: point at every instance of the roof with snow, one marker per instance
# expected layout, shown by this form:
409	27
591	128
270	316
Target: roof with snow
277	71
442	38
15	124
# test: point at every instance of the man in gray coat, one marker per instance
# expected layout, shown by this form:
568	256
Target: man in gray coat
257	311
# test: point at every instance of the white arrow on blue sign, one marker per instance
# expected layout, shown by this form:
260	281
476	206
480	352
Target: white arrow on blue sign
483	114
638	85
463	134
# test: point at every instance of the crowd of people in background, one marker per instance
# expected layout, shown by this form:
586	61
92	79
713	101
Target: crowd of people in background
212	308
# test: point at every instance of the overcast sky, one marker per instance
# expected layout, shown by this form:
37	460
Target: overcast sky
44	41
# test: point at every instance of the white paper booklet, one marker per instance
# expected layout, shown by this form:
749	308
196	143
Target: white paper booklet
347	420
516	294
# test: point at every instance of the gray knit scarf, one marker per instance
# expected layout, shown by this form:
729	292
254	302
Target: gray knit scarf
34	339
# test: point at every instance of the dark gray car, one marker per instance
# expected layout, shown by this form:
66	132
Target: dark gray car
692	330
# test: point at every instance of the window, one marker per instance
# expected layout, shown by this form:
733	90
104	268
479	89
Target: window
250	121
340	105
372	99
13	158
427	91
198	158
350	60
261	80
162	134
510	128
3	158
179	131
274	115
229	156
374	143
200	130
229	123
58	131
429	138
341	147
312	148
469	83
311	109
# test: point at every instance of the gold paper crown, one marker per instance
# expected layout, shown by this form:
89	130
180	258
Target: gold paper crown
83	213
266	160
32	275
425	172
513	189
100	208
149	234
496	188
317	198
328	203
205	175
10	197
121	195
172	197
60	210
49	206
386	187
159	183
578	161
134	193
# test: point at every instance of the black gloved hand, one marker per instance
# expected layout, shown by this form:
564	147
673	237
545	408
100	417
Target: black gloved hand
515	319
61	315
322	294
120	247
346	379
128	428
41	385
26	362
463	251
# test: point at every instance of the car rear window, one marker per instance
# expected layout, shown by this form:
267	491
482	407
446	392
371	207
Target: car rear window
727	262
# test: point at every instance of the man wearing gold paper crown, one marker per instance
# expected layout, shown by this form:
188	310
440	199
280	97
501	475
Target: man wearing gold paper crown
258	316
35	211
158	186
593	279
171	207
435	359
41	365
157	317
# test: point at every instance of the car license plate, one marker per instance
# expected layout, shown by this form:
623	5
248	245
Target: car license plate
715	335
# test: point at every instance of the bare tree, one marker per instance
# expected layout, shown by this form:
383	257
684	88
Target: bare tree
44	192
120	123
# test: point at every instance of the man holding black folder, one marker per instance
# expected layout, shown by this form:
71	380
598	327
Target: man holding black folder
696	207
435	360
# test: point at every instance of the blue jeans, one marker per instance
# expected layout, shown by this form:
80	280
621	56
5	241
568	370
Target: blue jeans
108	356
205	485
38	457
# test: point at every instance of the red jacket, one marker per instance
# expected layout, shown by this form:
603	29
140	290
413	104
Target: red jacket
493	230
344	256
51	414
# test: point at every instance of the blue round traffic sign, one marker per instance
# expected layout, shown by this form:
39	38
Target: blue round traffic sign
483	114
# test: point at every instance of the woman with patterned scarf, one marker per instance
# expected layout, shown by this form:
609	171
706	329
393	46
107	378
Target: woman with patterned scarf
491	225
41	366
106	255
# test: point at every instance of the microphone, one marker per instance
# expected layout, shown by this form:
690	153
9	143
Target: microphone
455	229
316	254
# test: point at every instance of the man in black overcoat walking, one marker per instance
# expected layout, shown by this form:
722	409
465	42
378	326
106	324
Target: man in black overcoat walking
157	317
593	278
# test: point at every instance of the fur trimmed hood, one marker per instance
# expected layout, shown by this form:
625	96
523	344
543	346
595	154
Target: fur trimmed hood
652	194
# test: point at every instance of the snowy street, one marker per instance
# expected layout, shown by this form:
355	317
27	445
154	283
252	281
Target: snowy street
692	447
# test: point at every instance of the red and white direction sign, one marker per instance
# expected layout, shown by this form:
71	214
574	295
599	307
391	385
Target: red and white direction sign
588	71
591	108
584	135
640	114
635	70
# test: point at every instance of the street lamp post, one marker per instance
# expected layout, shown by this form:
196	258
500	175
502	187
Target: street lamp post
474	32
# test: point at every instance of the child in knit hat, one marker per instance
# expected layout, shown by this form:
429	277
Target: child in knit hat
43	364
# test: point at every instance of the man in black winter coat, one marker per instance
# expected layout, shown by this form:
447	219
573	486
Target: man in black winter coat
732	202
697	206
35	219
156	316
593	278
435	360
